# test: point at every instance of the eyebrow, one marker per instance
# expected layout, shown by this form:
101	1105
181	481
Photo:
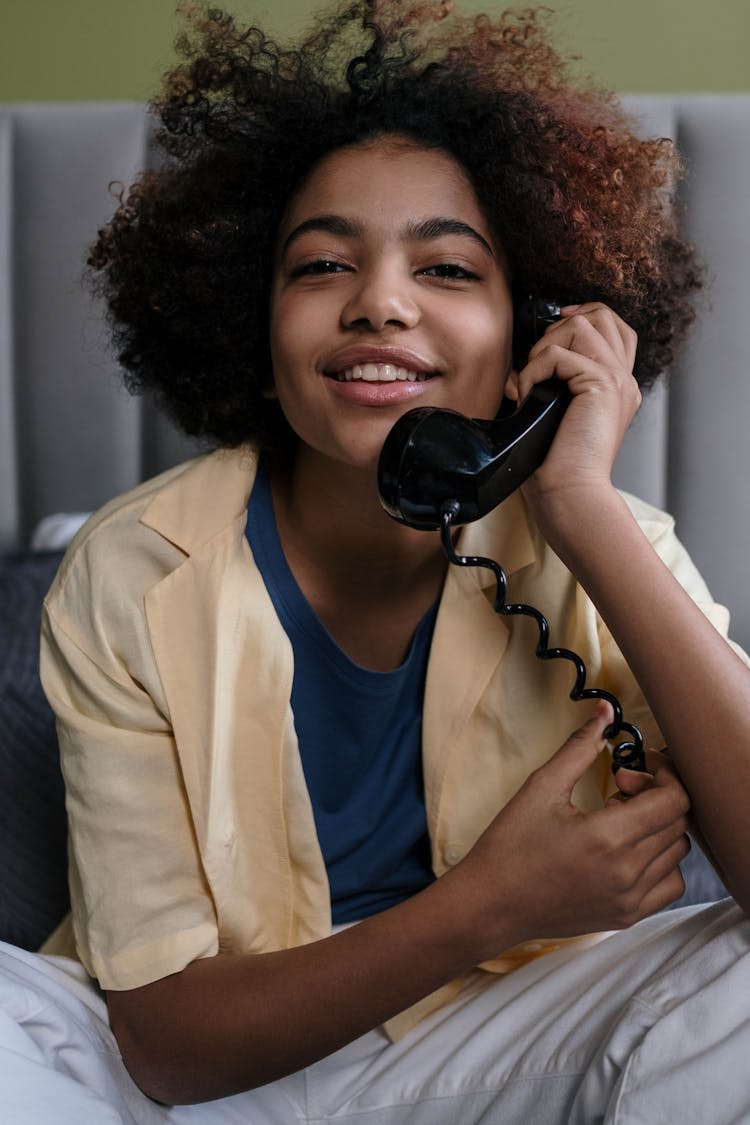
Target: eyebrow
422	231
434	228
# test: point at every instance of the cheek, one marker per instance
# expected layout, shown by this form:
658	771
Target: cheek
295	334
281	334
487	336
292	337
487	348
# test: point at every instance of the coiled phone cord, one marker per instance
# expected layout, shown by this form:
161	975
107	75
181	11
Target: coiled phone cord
629	753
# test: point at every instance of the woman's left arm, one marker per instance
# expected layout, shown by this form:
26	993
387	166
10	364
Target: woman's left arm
696	686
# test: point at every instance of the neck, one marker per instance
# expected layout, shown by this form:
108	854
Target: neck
369	579
330	520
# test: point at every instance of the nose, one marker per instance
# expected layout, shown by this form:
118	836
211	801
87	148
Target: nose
381	297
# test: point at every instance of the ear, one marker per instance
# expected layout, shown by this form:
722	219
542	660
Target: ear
511	385
269	390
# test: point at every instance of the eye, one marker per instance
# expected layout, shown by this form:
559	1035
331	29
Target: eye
450	271
318	266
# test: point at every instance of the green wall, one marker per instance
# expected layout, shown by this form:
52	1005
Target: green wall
82	50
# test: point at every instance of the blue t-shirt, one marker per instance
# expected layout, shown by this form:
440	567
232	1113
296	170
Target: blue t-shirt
360	738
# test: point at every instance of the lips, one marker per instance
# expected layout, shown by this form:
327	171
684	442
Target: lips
379	365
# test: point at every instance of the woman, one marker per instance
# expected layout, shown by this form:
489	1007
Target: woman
278	712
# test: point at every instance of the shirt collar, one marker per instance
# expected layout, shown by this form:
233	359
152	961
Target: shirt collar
204	498
505	535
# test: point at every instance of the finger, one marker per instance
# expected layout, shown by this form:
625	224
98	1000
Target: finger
645	874
598	340
609	323
578	752
579	372
678	850
667	778
657	812
630	782
664	769
622	338
659	759
664	872
662	893
667	795
648	821
660	842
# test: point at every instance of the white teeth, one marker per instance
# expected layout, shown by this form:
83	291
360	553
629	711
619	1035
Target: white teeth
380	373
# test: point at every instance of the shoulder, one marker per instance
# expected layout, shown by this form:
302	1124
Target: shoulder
654	522
140	537
659	529
510	535
113	548
182	508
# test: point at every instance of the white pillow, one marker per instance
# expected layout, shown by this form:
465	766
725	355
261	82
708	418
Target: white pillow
55	532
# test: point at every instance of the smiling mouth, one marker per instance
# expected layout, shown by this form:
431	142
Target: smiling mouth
380	373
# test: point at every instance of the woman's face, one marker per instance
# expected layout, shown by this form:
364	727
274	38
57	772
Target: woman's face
389	292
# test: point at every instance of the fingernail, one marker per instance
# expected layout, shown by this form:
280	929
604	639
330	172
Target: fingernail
605	709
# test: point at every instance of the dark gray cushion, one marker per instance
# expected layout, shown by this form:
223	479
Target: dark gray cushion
33	861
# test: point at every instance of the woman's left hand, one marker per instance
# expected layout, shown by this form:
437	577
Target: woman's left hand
593	351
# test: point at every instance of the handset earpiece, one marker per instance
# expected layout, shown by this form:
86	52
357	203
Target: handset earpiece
432	456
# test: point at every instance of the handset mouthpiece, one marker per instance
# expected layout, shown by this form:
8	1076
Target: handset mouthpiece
432	456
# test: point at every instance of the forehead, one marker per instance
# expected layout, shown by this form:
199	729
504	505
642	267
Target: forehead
387	180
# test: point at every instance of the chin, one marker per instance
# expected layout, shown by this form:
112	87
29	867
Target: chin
361	450
362	460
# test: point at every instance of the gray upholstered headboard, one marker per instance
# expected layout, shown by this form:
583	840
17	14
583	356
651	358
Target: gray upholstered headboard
70	437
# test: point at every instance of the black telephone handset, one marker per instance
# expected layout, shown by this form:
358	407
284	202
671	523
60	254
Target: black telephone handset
432	455
439	469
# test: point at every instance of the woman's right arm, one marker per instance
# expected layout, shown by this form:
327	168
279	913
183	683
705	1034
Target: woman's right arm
235	1021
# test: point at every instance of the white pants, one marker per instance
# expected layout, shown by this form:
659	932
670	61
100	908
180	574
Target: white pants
650	1026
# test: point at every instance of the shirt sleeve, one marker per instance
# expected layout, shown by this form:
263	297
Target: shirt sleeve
140	902
659	529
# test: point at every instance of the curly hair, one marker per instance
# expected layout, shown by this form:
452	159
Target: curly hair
582	207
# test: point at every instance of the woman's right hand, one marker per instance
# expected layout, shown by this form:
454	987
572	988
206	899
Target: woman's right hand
558	871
